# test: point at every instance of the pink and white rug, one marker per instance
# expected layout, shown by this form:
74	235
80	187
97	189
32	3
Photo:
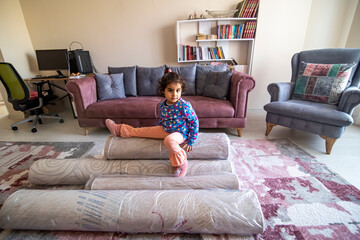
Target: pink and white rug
300	197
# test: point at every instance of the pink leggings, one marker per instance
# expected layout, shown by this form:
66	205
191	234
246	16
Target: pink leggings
172	141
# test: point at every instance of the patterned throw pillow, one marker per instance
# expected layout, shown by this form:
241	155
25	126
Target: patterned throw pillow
322	82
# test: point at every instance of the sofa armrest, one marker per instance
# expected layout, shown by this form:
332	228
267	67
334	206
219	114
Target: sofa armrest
349	100
241	85
280	91
83	93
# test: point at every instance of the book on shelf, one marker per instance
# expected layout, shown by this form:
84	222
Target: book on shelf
249	29
249	9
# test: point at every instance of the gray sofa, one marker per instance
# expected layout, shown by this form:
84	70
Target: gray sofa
219	97
324	105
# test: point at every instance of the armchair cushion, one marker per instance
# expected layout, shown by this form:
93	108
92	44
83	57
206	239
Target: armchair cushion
322	82
310	111
188	73
147	79
110	86
217	84
129	78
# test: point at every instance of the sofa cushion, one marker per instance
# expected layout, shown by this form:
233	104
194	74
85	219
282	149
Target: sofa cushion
322	82
110	86
217	84
188	73
147	79
130	107
206	107
201	75
129	78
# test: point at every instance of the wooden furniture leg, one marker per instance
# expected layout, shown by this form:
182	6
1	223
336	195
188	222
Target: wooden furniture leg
269	127
329	143
239	131
86	131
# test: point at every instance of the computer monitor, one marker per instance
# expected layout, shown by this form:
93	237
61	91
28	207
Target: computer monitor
52	59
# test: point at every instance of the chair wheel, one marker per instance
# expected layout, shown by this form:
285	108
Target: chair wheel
61	121
40	121
56	115
34	130
14	128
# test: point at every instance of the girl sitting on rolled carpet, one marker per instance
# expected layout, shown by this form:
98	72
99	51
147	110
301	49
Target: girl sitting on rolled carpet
178	123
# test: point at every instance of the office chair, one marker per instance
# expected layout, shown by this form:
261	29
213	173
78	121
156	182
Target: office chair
31	102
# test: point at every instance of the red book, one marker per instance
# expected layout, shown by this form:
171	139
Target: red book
255	9
188	52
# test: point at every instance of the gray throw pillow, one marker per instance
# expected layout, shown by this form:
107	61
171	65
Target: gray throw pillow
201	74
217	84
129	78
147	80
110	86
188	73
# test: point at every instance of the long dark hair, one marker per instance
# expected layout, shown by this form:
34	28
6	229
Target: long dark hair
170	77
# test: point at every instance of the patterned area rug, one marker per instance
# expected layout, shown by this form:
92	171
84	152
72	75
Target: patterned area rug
17	157
300	197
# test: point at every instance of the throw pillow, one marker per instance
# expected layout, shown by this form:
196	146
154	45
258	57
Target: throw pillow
110	86
129	78
217	84
147	80
188	74
322	82
201	75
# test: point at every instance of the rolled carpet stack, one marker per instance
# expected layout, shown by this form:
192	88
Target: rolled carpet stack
208	146
170	211
77	171
128	182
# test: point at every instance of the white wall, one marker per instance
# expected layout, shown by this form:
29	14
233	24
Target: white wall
280	33
329	23
354	35
15	44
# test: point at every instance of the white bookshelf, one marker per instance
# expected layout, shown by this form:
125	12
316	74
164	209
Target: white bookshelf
239	49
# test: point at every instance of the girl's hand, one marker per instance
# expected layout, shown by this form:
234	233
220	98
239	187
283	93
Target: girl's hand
187	148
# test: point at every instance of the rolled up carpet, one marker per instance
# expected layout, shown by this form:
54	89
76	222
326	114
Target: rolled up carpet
150	182
166	211
77	171
207	146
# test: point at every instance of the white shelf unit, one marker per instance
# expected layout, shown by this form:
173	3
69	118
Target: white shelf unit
241	50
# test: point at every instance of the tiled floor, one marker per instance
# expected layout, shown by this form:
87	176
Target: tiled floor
344	159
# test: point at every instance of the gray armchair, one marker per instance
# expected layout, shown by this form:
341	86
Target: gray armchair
293	105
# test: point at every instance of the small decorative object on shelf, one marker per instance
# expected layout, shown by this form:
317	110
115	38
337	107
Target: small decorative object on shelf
195	15
201	36
221	14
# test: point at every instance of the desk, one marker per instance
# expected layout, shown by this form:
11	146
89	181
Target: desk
51	82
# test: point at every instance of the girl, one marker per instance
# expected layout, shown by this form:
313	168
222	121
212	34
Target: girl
178	123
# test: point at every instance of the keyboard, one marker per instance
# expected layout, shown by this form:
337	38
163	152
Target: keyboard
45	77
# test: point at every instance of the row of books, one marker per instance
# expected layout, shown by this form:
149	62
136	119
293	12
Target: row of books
248	9
245	30
200	53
